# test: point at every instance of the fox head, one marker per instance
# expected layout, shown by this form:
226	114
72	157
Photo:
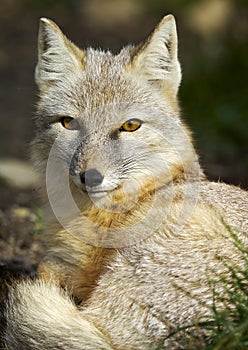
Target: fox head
113	121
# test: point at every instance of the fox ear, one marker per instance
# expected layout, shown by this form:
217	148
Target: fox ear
57	55
157	60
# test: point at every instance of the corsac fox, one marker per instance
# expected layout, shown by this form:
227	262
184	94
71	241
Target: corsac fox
135	231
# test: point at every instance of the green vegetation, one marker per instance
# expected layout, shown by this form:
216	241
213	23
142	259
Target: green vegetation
227	326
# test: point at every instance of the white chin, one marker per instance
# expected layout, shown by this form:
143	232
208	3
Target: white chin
97	194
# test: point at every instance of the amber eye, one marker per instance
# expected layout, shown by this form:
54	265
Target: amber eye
131	125
70	123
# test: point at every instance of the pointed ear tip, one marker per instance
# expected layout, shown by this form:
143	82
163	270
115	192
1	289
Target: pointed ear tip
44	20
169	18
47	22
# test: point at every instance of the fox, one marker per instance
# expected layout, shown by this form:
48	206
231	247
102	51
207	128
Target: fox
134	229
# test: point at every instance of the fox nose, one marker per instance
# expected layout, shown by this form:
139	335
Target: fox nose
91	178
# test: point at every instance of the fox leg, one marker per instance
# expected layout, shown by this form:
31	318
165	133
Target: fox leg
40	315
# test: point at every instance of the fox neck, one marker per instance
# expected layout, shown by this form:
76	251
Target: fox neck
124	210
90	241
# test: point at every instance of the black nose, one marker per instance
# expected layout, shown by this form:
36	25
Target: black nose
91	178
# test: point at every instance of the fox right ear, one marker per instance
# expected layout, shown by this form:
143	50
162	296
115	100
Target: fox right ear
156	59
57	55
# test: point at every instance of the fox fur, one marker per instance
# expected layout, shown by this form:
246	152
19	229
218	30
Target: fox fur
129	259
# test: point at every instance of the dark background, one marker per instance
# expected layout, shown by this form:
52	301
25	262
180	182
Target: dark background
214	94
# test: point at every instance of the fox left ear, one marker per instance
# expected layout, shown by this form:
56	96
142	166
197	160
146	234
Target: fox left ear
57	55
157	58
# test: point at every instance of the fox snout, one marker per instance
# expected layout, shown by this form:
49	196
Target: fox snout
91	178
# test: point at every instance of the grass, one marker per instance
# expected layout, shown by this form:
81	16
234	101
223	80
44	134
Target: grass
228	329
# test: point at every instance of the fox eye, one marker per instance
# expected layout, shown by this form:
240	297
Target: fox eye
70	123
131	125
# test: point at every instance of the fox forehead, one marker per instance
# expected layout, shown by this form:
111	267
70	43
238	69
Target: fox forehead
100	65
103	78
103	83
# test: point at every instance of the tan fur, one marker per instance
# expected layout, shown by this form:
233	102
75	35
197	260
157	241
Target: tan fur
136	261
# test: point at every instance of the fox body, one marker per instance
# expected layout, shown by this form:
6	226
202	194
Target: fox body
134	229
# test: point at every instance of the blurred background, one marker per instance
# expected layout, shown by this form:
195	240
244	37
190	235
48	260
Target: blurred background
213	52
